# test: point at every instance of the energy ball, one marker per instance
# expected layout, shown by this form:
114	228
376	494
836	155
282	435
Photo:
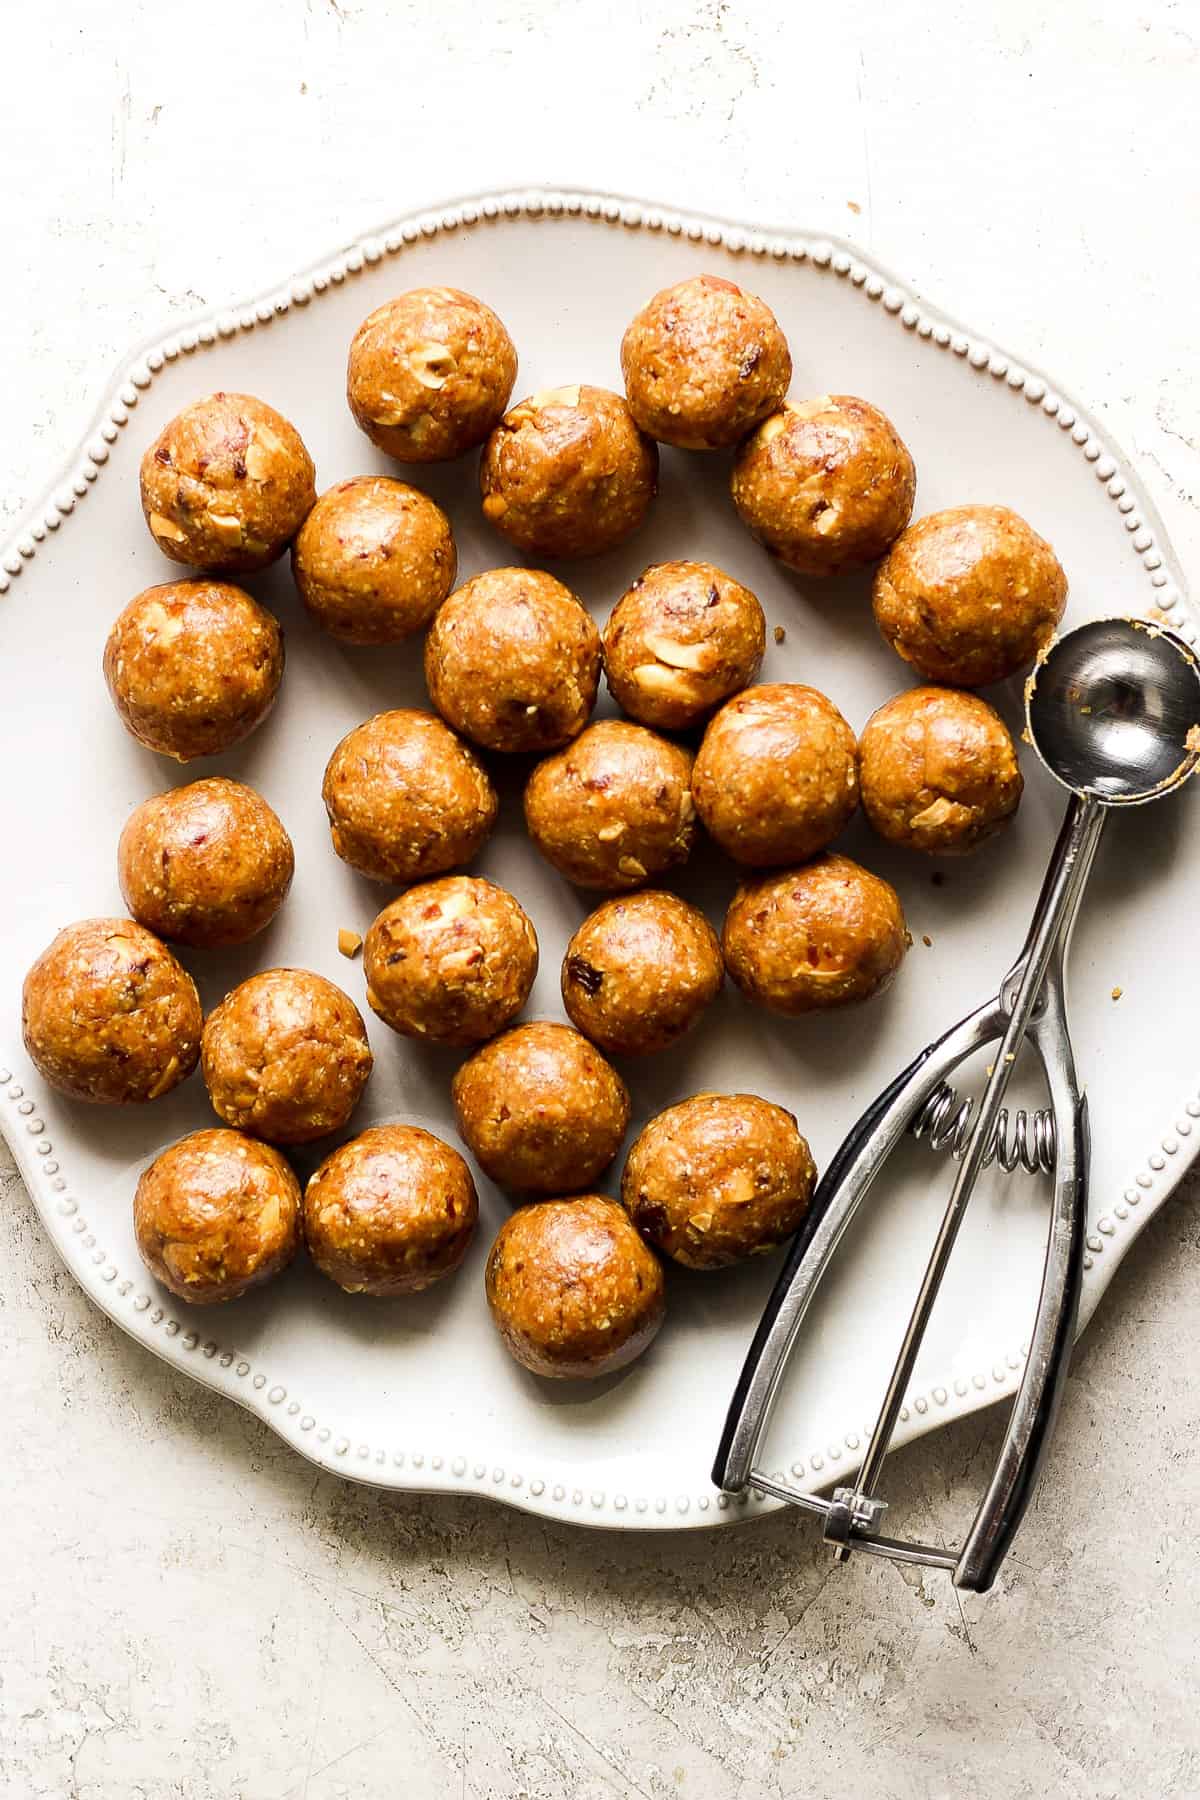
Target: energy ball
938	770
679	641
512	661
374	560
109	1016
573	1290
429	374
285	1056
614	808
540	1109
226	485
829	934
406	799
215	1215
718	1178
391	1212
451	961
640	971
825	485
568	473
970	595
193	667
208	864
703	362
776	776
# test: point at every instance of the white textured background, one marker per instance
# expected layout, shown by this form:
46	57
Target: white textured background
187	1610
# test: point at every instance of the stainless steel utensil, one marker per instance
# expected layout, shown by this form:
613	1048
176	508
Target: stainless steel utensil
1113	711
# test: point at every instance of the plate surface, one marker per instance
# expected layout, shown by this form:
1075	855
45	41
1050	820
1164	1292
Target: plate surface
419	1394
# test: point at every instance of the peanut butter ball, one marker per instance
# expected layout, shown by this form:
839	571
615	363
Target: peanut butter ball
573	1291
226	485
429	374
208	864
718	1178
825	485
451	961
512	661
640	971
193	667
776	777
540	1110
939	771
683	638
406	798
568	473
614	808
216	1215
109	1016
391	1212
285	1056
970	595
374	560
828	934
704	362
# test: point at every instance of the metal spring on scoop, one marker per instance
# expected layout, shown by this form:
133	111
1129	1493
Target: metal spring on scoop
945	1121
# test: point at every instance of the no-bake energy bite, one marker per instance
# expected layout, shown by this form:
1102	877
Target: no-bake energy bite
825	935
640	971
614	808
682	638
216	1214
374	560
938	771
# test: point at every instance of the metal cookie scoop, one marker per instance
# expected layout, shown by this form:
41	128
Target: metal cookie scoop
1113	711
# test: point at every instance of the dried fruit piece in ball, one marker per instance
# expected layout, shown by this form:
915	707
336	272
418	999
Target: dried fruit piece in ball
108	1015
640	971
568	473
540	1109
374	560
391	1212
193	667
970	595
825	935
406	798
215	1215
512	661
429	374
573	1290
226	485
776	776
614	808
704	362
826	484
718	1178
938	771
285	1056
451	961
683	638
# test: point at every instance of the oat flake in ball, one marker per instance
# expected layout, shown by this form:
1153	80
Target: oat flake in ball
429	374
215	1215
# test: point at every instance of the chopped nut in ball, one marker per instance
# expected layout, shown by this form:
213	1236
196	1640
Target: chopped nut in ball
108	1015
568	473
718	1178
391	1212
215	1215
226	485
573	1290
970	595
540	1109
429	374
614	808
938	770
451	961
512	661
828	934
825	485
640	971
683	638
776	777
406	798
374	560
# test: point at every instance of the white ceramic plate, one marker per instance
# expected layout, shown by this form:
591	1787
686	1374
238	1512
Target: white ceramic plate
418	1394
